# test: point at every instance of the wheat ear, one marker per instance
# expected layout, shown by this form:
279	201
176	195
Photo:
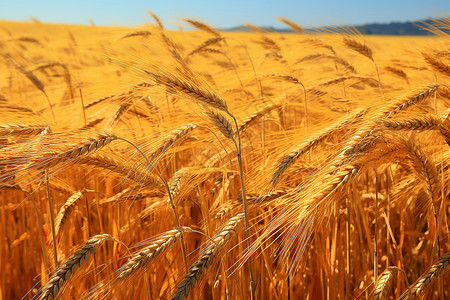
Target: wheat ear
425	122
43	157
67	77
437	64
117	166
419	287
190	89
203	27
92	145
137	33
365	51
155	17
173	137
66	209
385	283
291	24
362	49
269	44
34	80
148	254
294	80
22	129
412	98
196	271
256	116
51	289
312	142
398	72
206	44
221	123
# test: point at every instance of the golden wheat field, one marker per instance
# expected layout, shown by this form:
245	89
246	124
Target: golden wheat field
146	163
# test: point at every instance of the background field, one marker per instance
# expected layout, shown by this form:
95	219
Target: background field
345	160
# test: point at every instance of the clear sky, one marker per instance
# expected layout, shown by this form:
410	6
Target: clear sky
223	14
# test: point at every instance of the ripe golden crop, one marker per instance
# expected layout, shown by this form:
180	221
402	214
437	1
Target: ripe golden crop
144	163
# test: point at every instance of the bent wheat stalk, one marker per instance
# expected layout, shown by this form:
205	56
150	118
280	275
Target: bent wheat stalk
210	98
177	219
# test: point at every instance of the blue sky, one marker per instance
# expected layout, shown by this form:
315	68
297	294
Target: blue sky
223	14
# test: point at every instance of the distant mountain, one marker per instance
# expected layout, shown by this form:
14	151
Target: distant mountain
393	28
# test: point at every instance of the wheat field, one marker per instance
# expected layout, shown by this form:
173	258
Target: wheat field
147	163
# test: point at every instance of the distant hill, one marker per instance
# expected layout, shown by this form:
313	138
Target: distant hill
393	28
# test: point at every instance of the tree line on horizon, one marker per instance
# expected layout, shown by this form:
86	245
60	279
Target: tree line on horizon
392	28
